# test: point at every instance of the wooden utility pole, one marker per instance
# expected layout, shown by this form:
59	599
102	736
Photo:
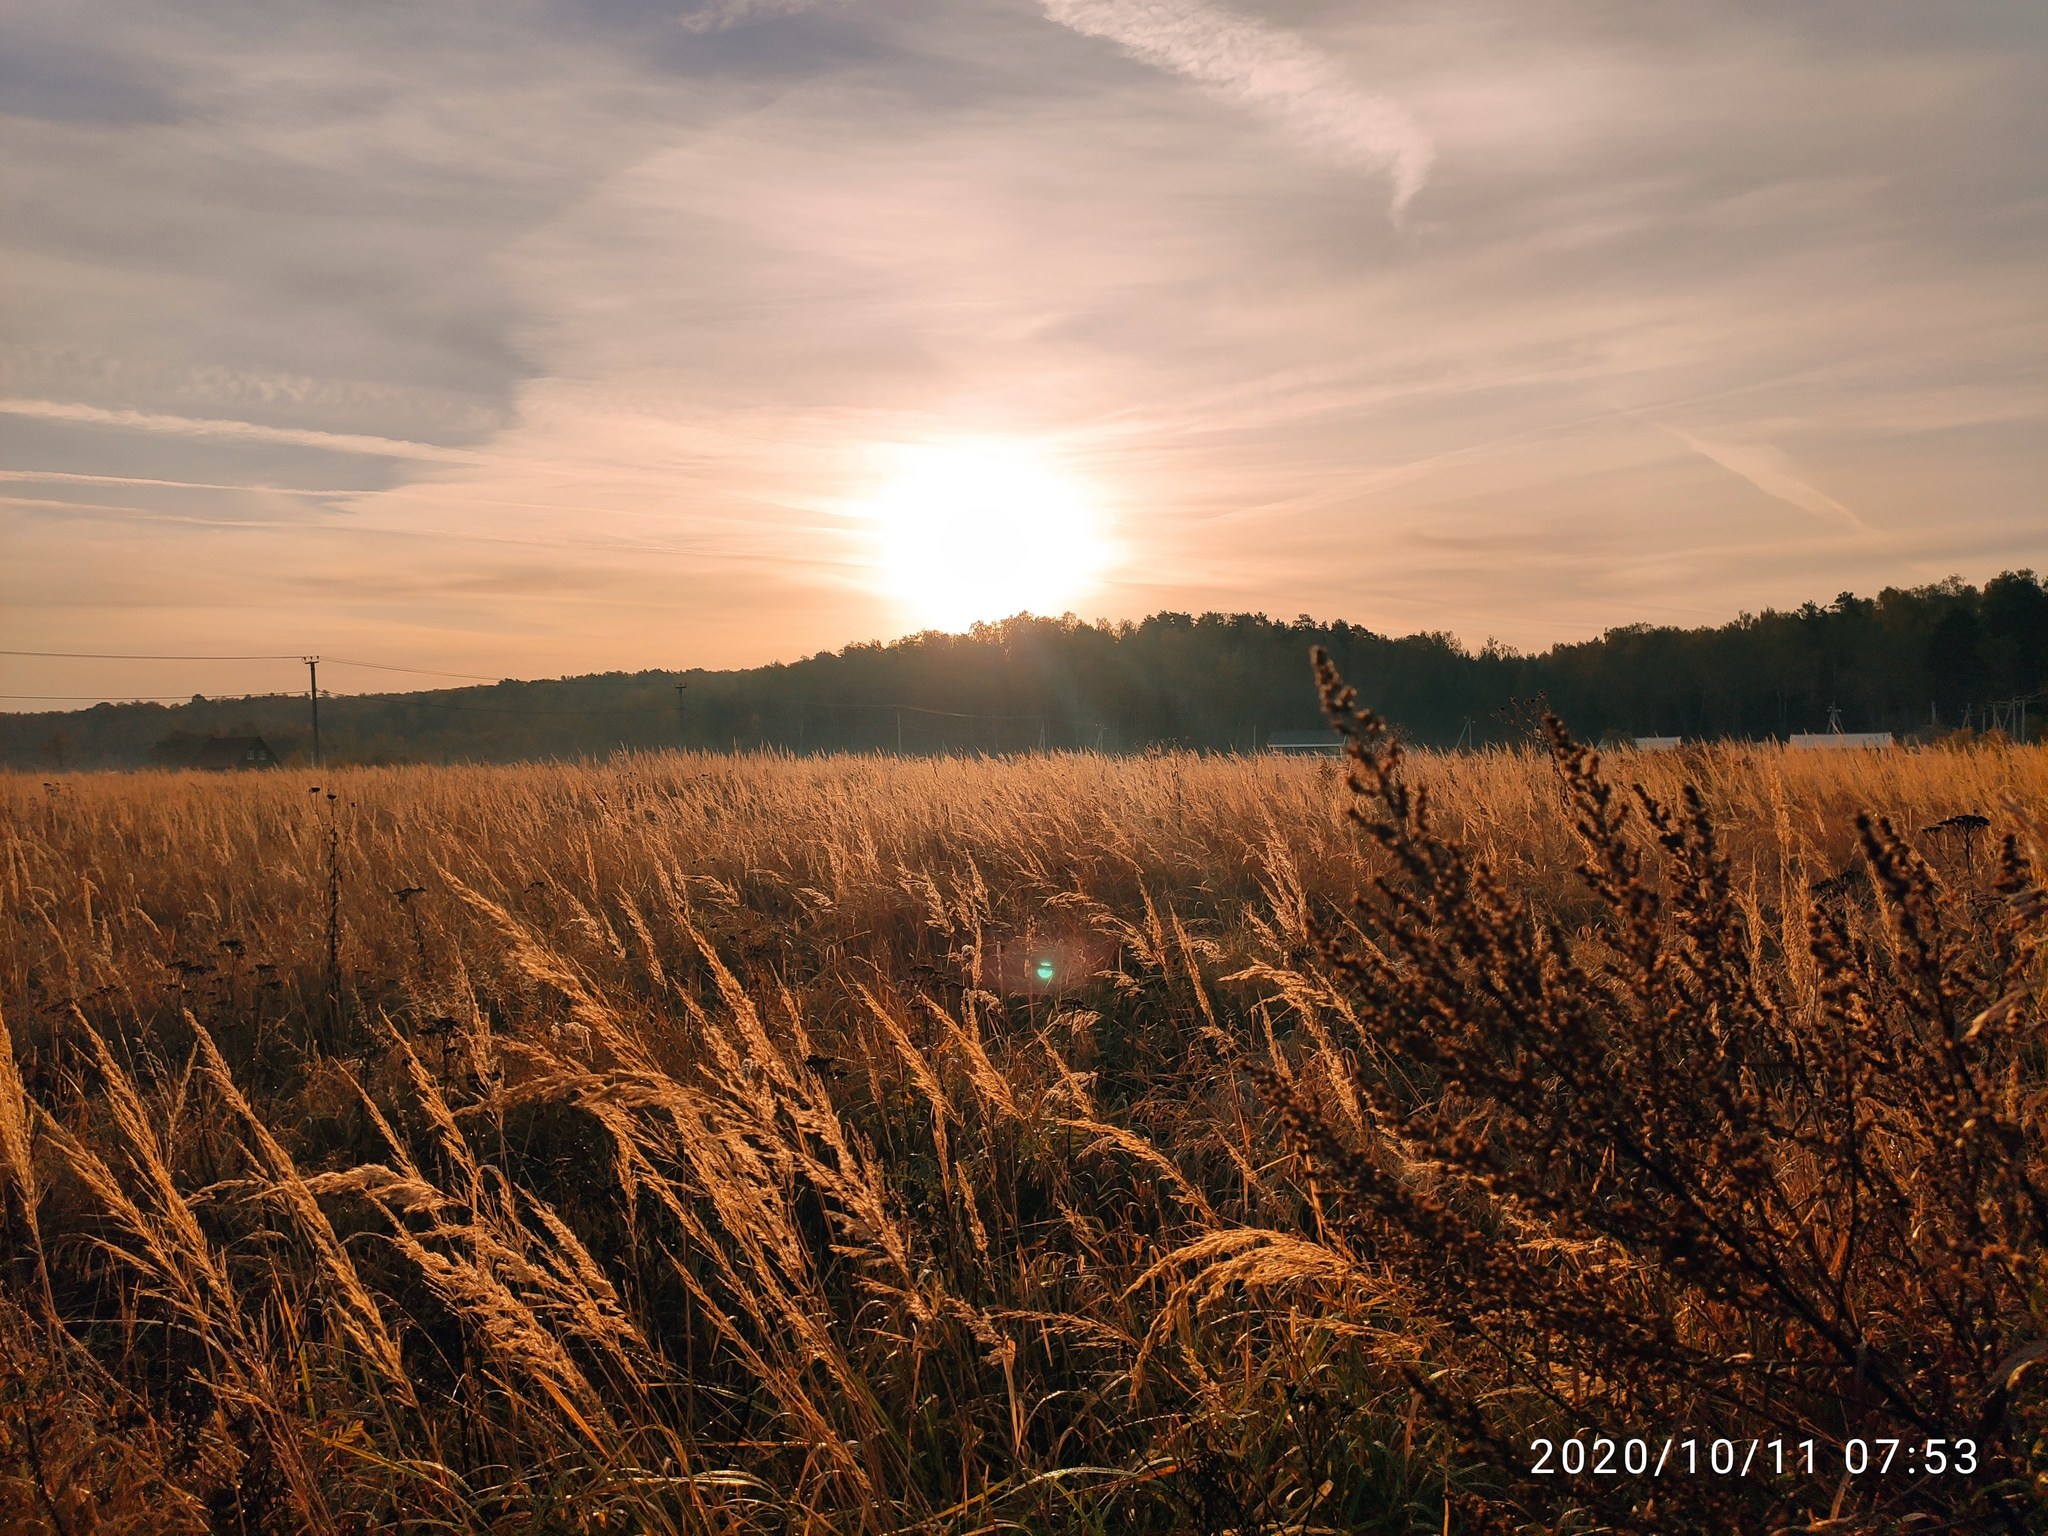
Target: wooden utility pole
313	694
682	728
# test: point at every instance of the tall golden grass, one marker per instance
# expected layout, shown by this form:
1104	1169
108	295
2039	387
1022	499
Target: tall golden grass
713	1144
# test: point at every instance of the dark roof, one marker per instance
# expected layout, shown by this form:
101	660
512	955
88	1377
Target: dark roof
235	752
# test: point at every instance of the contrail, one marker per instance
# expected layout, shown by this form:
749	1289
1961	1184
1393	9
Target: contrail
1770	472
65	477
244	431
1265	70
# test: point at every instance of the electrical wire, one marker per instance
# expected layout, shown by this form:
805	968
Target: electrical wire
94	698
333	661
378	666
424	703
136	656
403	700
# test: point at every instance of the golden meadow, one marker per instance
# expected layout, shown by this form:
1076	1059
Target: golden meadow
763	1144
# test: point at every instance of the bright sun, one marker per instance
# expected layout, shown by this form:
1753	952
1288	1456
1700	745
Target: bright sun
979	531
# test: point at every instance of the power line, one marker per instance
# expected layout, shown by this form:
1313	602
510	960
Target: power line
378	666
414	701
430	703
916	709
313	698
375	666
411	701
137	656
399	701
88	698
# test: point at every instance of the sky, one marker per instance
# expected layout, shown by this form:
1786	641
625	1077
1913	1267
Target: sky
540	337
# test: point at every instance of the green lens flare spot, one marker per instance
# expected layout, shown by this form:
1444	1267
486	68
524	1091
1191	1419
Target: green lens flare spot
1044	970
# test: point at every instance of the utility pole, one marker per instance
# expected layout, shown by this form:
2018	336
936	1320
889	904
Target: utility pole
313	695
681	717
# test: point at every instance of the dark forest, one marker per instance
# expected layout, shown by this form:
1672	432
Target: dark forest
1923	663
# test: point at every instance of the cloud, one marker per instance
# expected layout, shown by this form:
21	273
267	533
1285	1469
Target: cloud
1770	471
717	15
244	431
57	477
641	293
1267	71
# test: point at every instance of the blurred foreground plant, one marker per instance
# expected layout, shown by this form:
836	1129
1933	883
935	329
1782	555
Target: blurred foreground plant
1700	1168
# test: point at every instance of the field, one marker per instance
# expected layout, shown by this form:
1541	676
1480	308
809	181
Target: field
852	1144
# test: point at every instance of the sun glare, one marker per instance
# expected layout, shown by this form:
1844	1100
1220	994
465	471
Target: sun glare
972	532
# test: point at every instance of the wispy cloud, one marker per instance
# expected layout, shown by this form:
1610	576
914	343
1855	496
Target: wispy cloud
1773	473
244	431
717	15
1268	71
598	547
640	287
59	477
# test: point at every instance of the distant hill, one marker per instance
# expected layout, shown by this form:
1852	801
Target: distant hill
1920	660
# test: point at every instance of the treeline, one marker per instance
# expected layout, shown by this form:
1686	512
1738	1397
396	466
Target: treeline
1919	662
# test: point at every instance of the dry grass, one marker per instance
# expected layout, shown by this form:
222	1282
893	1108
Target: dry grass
694	1144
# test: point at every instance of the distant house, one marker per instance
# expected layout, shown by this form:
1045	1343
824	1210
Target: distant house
1306	743
1658	743
225	753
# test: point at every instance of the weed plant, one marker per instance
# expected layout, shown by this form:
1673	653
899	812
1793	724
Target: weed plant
706	1144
